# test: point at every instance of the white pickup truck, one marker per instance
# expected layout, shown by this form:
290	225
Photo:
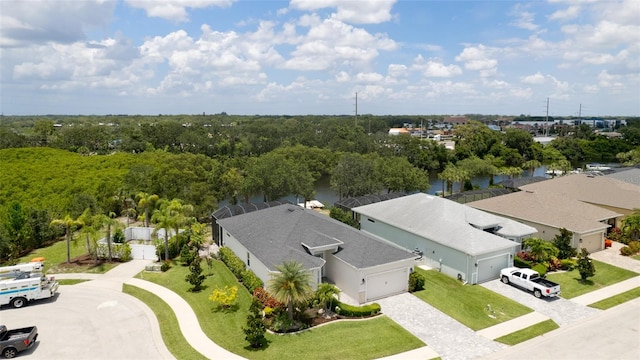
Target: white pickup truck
530	280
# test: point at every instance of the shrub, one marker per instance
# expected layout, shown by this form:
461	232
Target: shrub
251	281
631	249
186	255
521	263
585	265
343	216
266	299
166	265
567	264
224	297
554	264
524	255
540	268
232	261
357	311
416	282
118	237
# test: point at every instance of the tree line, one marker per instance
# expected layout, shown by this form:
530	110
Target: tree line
49	172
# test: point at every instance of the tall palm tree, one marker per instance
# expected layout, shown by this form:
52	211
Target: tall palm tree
147	202
291	285
112	223
70	224
163	218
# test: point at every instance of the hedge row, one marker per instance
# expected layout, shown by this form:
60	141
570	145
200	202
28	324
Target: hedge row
357	311
248	278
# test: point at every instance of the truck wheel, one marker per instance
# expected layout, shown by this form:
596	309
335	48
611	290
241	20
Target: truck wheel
18	302
537	293
9	353
505	279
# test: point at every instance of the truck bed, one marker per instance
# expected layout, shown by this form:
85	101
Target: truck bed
544	282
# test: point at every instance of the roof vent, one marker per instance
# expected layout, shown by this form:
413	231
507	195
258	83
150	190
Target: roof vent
291	209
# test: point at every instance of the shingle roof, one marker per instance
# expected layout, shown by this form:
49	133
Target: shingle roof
445	222
550	209
630	175
600	190
243	208
275	234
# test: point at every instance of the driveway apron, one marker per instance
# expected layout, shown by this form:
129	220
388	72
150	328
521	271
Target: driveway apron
449	338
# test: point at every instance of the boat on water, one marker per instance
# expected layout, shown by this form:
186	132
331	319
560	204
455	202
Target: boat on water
597	167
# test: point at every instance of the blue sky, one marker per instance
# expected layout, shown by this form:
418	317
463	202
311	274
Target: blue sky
303	57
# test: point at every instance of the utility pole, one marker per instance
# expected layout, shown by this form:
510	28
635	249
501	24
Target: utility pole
547	118
356	119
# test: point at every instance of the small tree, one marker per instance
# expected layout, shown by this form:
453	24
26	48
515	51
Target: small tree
585	265
195	277
416	281
325	295
563	242
187	255
224	297
540	250
254	332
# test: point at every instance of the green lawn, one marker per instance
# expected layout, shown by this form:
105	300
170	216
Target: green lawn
637	257
345	340
571	285
617	299
528	333
468	303
56	254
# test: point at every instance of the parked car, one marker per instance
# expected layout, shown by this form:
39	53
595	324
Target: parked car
530	280
14	341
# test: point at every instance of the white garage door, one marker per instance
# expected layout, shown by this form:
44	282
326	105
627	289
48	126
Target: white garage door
387	283
593	242
489	269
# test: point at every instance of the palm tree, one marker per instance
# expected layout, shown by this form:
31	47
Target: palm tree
147	202
326	294
531	165
540	249
70	224
291	285
111	221
631	225
163	219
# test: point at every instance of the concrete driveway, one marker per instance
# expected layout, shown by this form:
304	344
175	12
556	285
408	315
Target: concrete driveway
91	320
560	310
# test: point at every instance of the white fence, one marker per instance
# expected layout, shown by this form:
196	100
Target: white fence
143	251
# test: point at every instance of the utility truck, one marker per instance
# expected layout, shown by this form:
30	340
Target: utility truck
530	280
14	341
25	282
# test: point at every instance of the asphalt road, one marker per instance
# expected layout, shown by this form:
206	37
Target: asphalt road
88	322
612	334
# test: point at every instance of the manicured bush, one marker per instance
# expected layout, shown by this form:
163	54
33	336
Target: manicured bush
631	249
251	281
416	282
567	264
357	311
232	261
521	263
540	268
166	265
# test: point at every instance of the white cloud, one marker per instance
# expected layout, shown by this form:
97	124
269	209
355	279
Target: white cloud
524	19
435	68
175	10
27	22
354	12
479	58
536	79
567	14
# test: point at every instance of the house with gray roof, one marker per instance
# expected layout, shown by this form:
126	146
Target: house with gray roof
362	266
630	175
550	212
458	240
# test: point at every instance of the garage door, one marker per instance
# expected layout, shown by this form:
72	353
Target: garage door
489	269
387	283
593	242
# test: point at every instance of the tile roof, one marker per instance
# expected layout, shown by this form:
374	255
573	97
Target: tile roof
276	234
550	209
600	190
445	222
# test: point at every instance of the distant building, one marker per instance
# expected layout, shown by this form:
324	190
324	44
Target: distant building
455	120
398	131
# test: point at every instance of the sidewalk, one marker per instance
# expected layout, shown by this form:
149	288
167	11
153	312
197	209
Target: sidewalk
513	325
607	292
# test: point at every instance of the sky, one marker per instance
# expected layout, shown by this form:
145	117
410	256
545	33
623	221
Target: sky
320	57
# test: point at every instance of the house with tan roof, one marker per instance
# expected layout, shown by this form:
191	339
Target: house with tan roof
549	212
603	191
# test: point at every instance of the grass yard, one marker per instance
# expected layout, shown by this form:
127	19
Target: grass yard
617	299
528	333
571	285
174	340
55	257
637	257
468	303
347	340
